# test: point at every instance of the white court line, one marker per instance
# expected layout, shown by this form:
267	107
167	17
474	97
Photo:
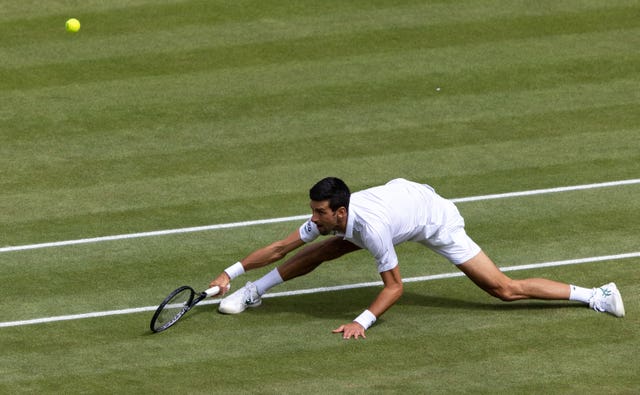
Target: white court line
324	289
300	217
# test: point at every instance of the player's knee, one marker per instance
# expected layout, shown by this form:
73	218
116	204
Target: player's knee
505	292
507	296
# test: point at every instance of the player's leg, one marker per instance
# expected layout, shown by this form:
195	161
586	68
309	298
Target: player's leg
311	256
452	242
484	273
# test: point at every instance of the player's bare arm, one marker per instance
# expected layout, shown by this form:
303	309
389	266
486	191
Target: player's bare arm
386	298
273	252
391	292
262	257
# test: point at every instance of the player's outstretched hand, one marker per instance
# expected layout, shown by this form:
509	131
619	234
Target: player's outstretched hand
223	282
352	329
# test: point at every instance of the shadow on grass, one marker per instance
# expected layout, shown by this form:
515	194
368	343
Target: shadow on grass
414	299
344	304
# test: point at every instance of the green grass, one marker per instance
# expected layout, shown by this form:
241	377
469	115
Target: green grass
172	114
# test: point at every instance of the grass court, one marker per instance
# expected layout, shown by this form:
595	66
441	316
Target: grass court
180	113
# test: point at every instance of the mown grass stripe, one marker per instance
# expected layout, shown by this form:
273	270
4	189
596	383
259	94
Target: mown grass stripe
297	218
318	48
98	314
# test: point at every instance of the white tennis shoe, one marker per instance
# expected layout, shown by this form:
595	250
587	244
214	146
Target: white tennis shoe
607	299
238	301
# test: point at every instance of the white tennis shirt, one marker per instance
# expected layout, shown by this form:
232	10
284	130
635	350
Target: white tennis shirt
381	217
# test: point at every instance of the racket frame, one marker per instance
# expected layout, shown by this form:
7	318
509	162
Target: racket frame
194	298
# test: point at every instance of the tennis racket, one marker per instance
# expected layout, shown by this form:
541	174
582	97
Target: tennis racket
174	306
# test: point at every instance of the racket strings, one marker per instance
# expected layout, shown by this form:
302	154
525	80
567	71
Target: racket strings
173	309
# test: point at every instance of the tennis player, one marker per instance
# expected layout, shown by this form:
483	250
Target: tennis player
377	219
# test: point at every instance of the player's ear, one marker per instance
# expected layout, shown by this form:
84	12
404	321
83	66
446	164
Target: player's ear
342	212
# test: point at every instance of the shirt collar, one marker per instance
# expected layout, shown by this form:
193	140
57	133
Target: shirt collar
348	233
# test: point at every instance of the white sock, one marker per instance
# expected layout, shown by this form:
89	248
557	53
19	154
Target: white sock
580	294
268	281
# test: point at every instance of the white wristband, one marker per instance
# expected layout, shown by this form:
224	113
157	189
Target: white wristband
366	319
234	270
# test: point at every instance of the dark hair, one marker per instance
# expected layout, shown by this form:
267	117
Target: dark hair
332	189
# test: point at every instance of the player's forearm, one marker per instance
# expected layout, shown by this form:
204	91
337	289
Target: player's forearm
389	295
255	260
382	303
385	299
267	255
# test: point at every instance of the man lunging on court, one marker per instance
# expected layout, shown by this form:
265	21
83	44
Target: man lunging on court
377	219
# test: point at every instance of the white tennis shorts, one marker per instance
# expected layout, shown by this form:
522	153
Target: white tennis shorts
450	240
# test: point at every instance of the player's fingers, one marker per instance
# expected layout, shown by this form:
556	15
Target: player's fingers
223	288
339	329
356	334
352	334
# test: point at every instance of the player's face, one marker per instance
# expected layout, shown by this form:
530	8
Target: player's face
325	219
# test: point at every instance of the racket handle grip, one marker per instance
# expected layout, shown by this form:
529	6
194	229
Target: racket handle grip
212	291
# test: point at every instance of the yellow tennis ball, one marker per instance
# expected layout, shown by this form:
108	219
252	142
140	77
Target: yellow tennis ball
72	25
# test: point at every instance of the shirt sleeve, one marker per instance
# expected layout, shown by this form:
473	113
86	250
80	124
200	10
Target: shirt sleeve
387	260
380	245
309	232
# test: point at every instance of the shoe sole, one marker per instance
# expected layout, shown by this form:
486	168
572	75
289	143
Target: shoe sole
224	310
618	305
